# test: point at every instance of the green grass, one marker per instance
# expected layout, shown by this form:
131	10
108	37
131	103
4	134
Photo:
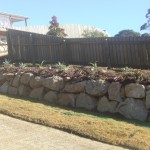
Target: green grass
108	128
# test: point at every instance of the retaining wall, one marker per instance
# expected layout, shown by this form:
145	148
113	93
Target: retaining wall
131	100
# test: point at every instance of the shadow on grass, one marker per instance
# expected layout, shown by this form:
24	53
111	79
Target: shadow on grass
84	113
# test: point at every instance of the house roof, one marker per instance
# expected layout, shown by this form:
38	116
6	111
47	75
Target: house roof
13	18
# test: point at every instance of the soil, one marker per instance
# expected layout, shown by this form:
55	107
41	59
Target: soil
76	73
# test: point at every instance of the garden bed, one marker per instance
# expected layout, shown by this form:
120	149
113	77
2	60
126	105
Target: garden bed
77	73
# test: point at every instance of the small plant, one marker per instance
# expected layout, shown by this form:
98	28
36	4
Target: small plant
29	65
94	65
7	63
42	64
61	66
22	65
125	69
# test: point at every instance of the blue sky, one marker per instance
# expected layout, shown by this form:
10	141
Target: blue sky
110	15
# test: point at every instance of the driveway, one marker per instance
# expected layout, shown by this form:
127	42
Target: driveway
20	135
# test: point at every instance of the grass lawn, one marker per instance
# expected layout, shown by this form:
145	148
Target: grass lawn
100	127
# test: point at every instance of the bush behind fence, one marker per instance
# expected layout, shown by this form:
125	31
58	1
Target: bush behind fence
110	51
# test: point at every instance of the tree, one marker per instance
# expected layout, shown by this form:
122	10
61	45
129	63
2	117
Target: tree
127	33
146	25
145	34
54	28
90	33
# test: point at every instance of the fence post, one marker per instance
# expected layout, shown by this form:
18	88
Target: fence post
19	49
67	51
32	48
108	62
8	44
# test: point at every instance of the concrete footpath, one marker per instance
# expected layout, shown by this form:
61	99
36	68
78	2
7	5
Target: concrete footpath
20	135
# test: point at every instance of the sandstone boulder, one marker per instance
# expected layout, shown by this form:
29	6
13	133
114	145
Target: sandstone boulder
122	92
114	91
148	119
148	87
134	90
86	101
55	83
2	79
104	105
51	96
37	93
24	90
12	90
75	87
25	78
97	88
35	82
16	81
133	109
148	99
67	99
4	87
9	76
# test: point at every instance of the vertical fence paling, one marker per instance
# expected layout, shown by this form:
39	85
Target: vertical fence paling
111	51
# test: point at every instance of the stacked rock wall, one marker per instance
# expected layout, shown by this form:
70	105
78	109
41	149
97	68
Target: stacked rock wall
131	100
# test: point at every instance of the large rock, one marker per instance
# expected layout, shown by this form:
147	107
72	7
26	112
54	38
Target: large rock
24	90
148	87
75	87
114	91
35	82
133	109
2	79
148	119
25	78
4	87
37	93
9	76
67	99
51	96
16	81
122	92
104	105
55	83
86	101
97	88
134	90
148	99
12	90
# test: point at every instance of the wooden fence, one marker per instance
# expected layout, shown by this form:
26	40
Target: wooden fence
111	51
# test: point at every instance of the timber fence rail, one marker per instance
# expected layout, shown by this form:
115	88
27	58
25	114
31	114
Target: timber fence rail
110	51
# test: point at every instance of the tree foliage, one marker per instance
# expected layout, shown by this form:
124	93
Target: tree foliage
90	33
145	34
127	33
146	25
54	28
